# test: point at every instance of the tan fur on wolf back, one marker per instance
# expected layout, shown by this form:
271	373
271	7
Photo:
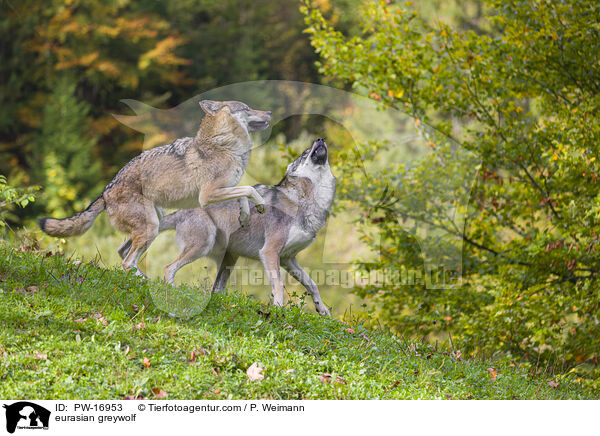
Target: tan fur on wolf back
184	174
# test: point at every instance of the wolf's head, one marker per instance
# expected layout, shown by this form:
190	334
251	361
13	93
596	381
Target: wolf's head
313	164
250	119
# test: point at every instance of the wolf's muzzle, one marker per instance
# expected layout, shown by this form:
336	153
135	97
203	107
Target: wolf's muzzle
318	152
262	124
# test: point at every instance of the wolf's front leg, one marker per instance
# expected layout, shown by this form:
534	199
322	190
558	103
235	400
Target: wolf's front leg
258	200
293	267
244	211
217	195
270	260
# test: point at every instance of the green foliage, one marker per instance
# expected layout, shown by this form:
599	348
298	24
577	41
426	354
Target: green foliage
63	161
158	52
99	52
11	196
73	330
523	95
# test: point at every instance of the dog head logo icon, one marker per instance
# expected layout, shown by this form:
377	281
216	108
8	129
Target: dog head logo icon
26	415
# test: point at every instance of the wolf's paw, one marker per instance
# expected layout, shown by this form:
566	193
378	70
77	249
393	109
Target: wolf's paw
243	218
140	273
323	310
260	208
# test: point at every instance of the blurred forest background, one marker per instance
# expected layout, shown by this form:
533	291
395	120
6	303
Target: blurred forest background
515	82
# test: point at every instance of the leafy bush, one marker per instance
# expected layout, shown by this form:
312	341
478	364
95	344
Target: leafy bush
11	196
520	91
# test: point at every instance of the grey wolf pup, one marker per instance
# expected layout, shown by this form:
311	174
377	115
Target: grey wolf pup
189	172
297	208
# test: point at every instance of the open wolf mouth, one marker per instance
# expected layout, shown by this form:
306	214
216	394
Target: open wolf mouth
318	154
258	125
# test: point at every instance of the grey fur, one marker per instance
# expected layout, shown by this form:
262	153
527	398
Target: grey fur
297	208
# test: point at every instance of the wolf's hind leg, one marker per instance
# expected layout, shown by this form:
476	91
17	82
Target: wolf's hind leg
196	238
188	255
225	266
142	221
124	248
293	267
139	245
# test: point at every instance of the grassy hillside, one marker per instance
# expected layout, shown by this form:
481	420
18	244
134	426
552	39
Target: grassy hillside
75	330
101	243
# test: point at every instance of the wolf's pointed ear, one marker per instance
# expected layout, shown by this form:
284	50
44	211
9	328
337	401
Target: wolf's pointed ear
210	107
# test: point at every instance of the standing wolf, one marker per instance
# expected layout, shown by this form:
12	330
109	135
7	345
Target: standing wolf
297	208
184	174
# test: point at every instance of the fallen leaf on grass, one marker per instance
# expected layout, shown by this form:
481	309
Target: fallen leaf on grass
493	373
146	362
140	326
366	338
457	355
264	313
29	291
553	384
159	393
100	318
327	378
254	372
339	379
349	330
39	356
196	353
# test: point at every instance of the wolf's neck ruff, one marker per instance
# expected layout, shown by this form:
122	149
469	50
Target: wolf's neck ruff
224	131
315	197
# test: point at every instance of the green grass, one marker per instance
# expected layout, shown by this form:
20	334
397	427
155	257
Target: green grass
101	243
75	337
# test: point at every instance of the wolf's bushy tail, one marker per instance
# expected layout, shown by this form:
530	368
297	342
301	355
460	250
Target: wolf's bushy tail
75	225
